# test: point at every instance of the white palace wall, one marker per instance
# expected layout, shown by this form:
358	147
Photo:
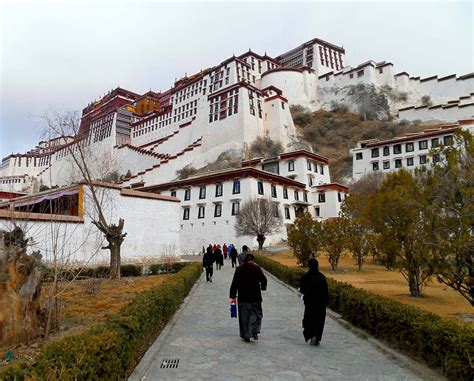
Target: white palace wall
151	225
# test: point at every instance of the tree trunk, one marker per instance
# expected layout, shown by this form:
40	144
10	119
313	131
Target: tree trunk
114	246
21	275
261	240
413	283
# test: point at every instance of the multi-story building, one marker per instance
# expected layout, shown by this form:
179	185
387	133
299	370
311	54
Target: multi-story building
295	182
411	151
316	54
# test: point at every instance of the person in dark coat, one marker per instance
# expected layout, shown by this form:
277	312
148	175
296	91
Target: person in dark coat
243	254
218	257
247	284
314	287
208	263
225	249
233	256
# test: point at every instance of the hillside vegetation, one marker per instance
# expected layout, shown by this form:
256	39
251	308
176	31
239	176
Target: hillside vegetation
334	133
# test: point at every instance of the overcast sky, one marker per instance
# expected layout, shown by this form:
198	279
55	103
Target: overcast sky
61	55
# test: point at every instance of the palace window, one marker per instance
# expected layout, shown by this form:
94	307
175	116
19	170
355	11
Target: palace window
236	187
397	149
187	194
218	189
291	166
186	214
359	156
423	159
217	210
297	196
260	187
375	152
305	196
398	163
201	211
287	213
321	169
317	211
386	165
321	197
448	140
285	193
436	158
423	144
202	193
274	191
173	193
375	166
235	208
409	147
434	142
409	162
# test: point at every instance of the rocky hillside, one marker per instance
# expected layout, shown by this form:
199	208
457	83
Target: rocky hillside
334	133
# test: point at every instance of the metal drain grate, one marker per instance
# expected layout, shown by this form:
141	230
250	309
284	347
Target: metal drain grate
169	363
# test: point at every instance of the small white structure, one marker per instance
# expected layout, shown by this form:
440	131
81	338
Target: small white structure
410	151
63	218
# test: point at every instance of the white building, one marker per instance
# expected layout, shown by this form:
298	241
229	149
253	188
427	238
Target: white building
295	182
410	151
66	213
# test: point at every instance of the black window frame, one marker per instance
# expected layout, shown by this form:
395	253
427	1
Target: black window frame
201	196
285	193
218	207
287	213
203	209
359	156
423	144
375	166
219	189
260	188
409	147
186	215
274	191
397	149
434	142
236	187
291	166
423	159
374	152
321	197
398	163
235	212
187	194
386	151
386	164
410	162
296	195
448	140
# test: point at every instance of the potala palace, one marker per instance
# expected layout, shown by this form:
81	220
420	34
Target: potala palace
223	109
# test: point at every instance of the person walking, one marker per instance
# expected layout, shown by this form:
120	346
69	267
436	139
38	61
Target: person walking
314	287
224	251
247	284
233	256
218	257
208	263
243	254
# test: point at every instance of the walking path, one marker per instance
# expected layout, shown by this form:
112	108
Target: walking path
206	341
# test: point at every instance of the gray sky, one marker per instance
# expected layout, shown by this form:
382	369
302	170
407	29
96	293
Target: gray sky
61	55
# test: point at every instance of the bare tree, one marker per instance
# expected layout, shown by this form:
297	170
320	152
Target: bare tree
90	169
260	218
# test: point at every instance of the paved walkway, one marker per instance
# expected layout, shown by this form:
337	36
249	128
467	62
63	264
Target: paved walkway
206	341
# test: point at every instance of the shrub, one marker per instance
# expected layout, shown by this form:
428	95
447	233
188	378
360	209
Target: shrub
440	342
265	147
110	350
161	268
131	270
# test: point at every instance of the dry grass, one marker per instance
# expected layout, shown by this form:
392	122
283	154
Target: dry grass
437	298
89	301
94	300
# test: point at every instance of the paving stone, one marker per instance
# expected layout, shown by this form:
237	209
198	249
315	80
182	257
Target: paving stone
206	340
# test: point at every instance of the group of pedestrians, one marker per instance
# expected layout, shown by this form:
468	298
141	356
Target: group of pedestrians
214	254
248	282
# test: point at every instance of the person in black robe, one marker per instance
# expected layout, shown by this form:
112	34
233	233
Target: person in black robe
219	258
208	263
233	256
248	282
314	287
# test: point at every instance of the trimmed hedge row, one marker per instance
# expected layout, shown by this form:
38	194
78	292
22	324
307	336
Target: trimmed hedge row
440	342
126	270
109	351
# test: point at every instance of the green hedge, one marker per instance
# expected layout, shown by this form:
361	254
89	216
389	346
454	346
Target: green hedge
440	342
109	351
